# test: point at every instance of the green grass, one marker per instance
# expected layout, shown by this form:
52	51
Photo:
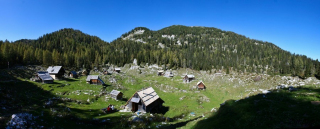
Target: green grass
32	96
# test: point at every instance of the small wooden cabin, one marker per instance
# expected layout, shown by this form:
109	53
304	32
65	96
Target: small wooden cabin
145	100
44	77
118	70
73	74
56	72
201	86
117	95
188	78
94	79
160	72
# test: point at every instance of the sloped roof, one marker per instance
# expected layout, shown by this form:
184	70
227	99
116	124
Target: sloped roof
160	71
117	69
73	72
114	92
136	100
45	76
190	76
92	77
54	69
148	95
100	80
200	82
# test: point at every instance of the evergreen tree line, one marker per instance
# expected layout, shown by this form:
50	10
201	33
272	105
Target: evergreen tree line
199	48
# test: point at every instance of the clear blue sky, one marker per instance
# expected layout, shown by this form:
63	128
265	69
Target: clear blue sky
293	25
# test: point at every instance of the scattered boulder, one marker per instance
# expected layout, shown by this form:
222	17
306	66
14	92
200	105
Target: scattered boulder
22	120
291	88
266	91
137	119
280	87
181	98
213	109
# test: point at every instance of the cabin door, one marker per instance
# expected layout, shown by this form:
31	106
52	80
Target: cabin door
134	107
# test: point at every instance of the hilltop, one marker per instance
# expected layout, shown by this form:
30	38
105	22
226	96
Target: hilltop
206	48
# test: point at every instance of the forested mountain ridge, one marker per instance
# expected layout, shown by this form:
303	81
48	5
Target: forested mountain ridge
67	47
200	48
204	48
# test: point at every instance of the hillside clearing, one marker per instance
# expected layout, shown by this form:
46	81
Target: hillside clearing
71	100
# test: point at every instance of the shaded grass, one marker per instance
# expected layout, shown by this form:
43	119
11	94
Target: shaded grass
279	109
24	96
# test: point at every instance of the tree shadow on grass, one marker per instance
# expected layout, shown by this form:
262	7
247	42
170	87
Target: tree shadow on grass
278	109
54	82
18	97
179	124
163	110
92	112
26	97
124	99
70	79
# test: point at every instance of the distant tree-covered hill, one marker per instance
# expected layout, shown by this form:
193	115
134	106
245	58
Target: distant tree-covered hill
200	48
64	47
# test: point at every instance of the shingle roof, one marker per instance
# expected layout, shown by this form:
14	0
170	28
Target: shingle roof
92	77
54	69
114	92
148	95
45	76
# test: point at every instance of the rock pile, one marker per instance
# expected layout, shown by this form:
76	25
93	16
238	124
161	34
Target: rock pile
22	121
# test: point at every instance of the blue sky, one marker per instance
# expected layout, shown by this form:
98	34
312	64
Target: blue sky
293	25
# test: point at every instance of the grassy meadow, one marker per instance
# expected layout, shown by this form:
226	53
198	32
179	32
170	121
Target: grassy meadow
76	104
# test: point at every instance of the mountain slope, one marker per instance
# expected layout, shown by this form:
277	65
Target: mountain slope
204	48
199	48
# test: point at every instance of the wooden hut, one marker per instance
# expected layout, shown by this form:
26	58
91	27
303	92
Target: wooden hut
73	74
44	77
145	100
118	70
94	79
160	72
188	78
56	72
117	95
201	86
